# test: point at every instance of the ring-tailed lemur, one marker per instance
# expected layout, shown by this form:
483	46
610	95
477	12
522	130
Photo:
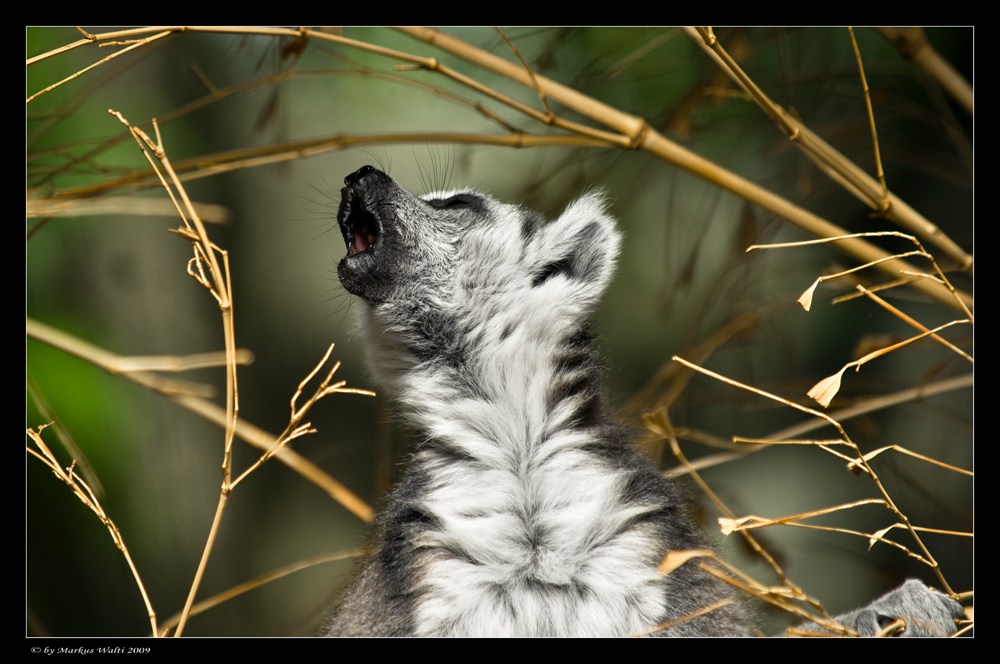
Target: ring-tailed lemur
525	510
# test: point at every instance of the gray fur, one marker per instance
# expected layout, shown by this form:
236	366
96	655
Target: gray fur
926	612
525	510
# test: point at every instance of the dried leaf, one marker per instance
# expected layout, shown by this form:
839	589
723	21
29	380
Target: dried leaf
806	299
675	559
730	525
825	390
880	533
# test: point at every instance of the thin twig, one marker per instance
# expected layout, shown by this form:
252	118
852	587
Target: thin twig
135	45
86	495
183	395
659	423
861	462
834	164
247	586
886	203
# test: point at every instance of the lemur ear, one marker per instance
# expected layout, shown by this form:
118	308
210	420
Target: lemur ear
581	247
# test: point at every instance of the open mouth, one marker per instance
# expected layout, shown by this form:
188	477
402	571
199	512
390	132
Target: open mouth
360	229
366	217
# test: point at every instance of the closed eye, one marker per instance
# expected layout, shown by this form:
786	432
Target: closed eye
456	201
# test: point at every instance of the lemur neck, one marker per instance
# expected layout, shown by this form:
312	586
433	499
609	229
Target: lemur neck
501	379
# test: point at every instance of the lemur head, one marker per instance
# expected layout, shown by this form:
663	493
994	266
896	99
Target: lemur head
466	251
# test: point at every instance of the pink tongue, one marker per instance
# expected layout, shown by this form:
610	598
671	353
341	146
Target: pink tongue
362	240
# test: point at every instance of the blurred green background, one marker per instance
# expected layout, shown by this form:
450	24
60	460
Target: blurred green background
118	281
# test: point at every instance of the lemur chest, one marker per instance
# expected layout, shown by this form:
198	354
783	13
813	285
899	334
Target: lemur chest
531	545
